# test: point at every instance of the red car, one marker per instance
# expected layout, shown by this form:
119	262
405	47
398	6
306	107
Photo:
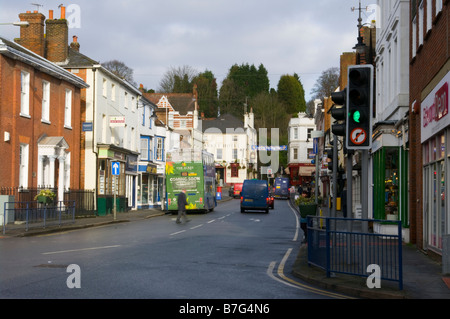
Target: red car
237	189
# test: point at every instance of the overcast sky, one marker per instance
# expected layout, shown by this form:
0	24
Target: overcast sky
287	36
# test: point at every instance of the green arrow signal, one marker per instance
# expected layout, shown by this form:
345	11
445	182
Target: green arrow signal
357	116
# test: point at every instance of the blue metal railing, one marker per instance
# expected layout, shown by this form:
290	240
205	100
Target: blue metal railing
34	214
344	245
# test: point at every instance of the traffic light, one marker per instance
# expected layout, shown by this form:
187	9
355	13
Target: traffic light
359	107
330	156
339	114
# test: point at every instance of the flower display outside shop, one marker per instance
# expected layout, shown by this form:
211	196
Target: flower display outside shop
45	196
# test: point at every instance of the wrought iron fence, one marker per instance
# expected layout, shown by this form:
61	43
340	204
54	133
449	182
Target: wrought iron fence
84	199
344	245
34	214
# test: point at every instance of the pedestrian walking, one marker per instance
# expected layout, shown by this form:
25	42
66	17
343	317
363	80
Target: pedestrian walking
182	202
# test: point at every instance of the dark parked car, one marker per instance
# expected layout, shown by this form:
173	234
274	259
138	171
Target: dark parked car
255	195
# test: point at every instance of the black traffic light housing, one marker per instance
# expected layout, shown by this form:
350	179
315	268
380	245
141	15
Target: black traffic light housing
330	156
339	114
359	107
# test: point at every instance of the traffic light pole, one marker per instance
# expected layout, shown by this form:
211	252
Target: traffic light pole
349	197
365	189
335	166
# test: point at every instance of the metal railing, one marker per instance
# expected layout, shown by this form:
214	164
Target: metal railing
34	214
84	198
345	245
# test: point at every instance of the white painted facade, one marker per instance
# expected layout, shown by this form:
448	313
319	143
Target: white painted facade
300	143
233	148
108	96
392	63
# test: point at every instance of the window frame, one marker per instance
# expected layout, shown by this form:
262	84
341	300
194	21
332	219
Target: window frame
68	109
24	93
45	116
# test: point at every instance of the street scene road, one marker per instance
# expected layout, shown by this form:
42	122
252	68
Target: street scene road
222	254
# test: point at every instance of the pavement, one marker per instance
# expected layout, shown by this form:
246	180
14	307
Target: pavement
422	276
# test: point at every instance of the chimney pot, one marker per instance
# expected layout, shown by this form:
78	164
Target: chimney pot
50	14
63	12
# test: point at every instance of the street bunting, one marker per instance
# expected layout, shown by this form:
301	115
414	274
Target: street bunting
269	148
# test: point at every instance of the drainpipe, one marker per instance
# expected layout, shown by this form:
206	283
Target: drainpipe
94	139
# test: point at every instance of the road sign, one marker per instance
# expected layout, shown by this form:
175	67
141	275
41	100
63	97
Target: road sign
358	136
115	168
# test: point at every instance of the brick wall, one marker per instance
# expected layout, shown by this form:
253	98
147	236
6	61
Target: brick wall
51	43
57	40
29	129
32	36
426	69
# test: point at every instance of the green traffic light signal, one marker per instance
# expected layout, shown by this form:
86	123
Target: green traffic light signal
357	116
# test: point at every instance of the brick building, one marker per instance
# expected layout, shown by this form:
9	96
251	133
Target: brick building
39	114
429	122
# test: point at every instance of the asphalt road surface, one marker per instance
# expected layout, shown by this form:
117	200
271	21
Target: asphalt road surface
224	254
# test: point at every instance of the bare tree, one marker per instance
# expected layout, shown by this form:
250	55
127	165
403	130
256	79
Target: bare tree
173	77
326	83
120	69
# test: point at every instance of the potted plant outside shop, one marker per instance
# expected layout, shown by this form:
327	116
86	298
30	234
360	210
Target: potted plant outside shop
45	196
307	205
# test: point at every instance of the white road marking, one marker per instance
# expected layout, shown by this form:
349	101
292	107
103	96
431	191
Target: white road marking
197	226
297	226
81	249
178	232
211	221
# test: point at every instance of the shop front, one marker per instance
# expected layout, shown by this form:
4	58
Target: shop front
131	174
390	174
148	186
435	139
108	184
301	173
390	177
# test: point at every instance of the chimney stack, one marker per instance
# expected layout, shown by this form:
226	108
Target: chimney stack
32	36
57	38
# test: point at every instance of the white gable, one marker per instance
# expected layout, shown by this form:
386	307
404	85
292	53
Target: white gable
164	103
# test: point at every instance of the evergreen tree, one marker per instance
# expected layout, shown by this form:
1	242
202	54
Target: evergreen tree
207	93
242	83
291	94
